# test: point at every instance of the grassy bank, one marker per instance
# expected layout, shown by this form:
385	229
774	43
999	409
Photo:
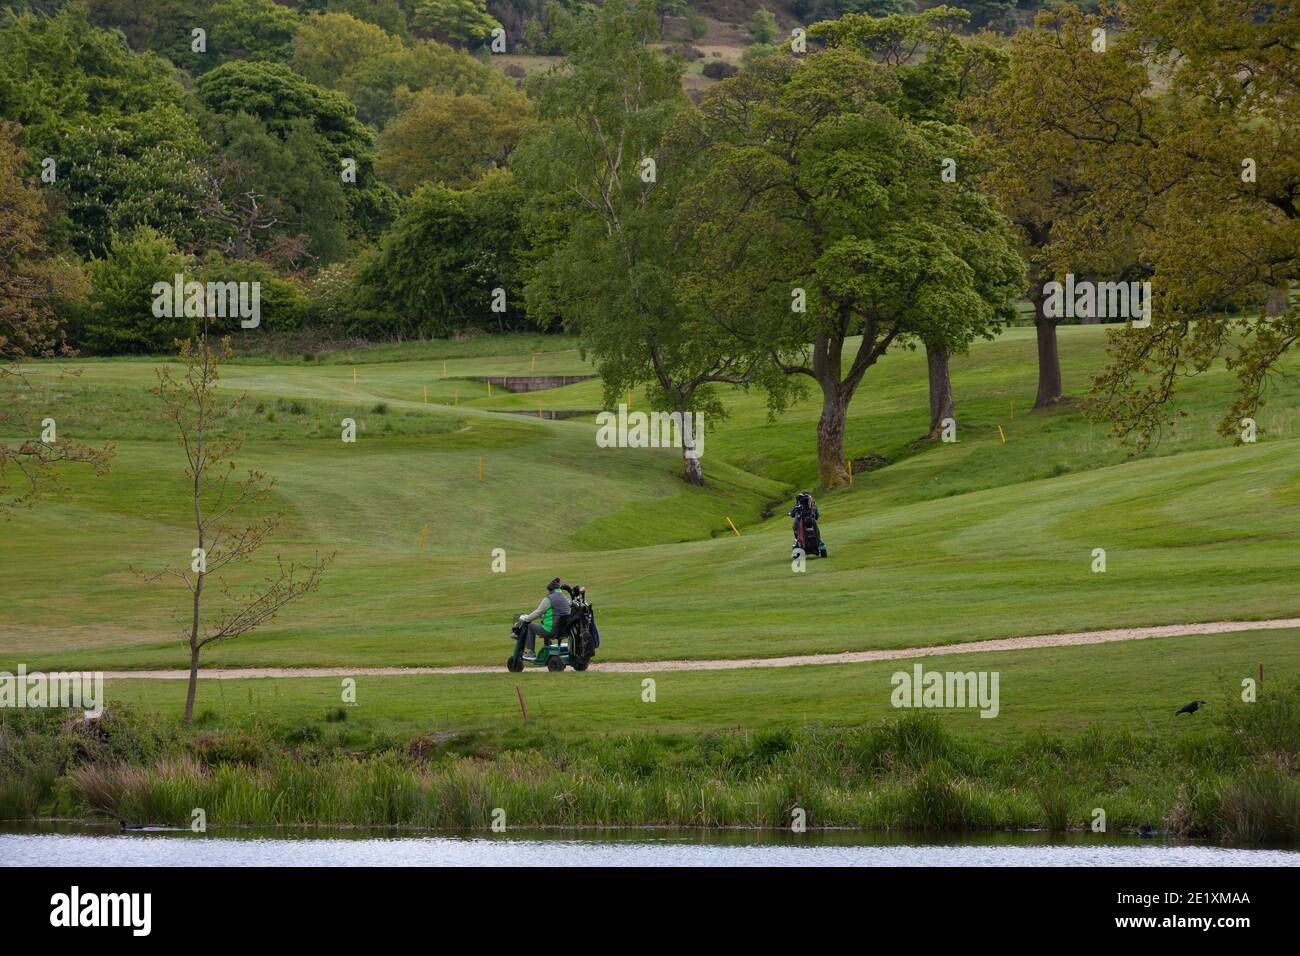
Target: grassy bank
1233	778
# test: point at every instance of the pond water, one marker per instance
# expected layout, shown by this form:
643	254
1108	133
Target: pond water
79	845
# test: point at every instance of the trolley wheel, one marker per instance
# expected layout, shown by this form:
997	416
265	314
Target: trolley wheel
553	663
514	664
580	663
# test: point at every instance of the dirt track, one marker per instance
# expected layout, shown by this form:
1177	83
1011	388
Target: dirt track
847	657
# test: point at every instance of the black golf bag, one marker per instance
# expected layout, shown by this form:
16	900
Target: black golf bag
807	535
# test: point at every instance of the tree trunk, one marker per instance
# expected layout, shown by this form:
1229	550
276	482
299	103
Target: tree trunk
1279	300
831	470
1049	359
940	389
194	684
691	469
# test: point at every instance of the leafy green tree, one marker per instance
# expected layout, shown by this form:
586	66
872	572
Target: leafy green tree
604	186
55	72
436	270
125	152
1197	115
763	26
147	169
339	52
1044	176
454	140
826	219
251	30
121	318
388	14
936	72
264	188
284	102
462	21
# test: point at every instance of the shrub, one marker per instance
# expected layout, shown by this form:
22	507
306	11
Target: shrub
720	70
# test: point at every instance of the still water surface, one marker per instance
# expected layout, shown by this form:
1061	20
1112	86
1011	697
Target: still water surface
51	844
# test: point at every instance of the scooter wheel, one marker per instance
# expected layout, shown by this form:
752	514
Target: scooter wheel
554	664
514	664
580	664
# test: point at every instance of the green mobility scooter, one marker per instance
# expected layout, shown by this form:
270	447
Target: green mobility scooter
573	644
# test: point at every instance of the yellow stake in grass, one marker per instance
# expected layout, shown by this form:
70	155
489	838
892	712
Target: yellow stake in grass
533	368
850	471
733	527
426	394
354	375
455	397
423	534
1004	437
480	467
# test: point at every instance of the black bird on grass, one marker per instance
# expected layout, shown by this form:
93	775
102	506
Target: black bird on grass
1191	708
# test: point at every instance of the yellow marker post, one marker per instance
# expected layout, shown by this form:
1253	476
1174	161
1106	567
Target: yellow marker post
850	462
629	399
1004	437
354	375
733	527
533	367
1013	409
444	369
539	410
480	467
455	397
423	535
426	394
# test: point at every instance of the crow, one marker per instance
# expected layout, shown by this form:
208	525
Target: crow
1191	708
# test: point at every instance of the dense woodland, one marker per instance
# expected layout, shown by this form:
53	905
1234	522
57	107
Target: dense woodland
709	194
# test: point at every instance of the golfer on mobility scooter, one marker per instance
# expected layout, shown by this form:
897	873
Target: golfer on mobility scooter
565	617
554	608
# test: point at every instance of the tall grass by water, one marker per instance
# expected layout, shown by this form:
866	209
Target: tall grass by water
1235	781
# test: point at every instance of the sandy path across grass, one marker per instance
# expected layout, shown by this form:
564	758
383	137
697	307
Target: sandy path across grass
846	657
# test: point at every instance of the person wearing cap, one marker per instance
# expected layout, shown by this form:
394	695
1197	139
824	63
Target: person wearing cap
546	619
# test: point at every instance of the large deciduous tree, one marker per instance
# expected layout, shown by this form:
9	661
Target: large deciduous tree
826	220
603	175
936	72
1210	150
286	104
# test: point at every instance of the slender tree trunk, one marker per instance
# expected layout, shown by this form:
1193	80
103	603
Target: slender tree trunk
831	470
194	684
940	389
1049	359
1279	300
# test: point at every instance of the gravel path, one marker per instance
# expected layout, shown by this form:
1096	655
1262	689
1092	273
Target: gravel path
847	657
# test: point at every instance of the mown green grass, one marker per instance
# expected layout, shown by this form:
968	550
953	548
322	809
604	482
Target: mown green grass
1132	685
956	542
